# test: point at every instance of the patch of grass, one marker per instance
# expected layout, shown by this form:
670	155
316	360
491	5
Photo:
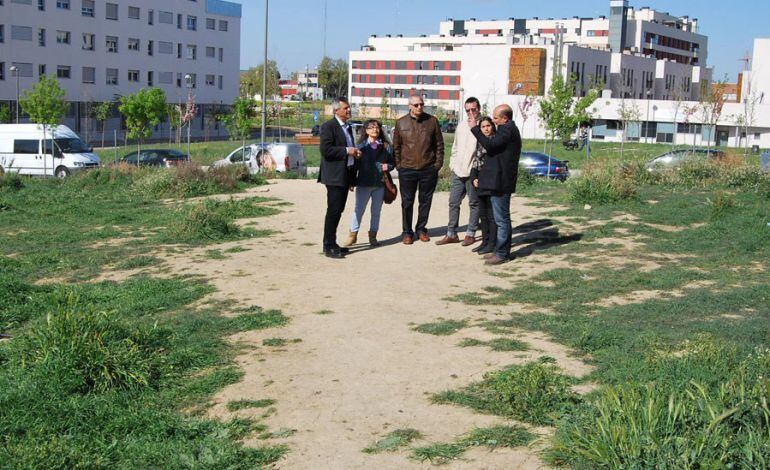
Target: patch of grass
137	262
215	254
535	393
279	341
240	428
442	327
245	404
496	344
438	454
214	221
499	436
255	318
279	434
324	312
236	249
394	441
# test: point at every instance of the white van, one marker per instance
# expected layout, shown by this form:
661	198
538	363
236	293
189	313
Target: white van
278	156
25	150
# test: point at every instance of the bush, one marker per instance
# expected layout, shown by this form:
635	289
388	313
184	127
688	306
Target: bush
87	351
11	182
605	183
205	221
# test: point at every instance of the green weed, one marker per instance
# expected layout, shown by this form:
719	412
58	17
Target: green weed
438	454
394	441
245	404
442	327
138	262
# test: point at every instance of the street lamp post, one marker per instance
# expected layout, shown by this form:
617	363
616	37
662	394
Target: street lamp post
188	82
15	71
648	93
264	81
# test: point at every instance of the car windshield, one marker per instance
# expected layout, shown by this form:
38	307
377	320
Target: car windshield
171	154
72	145
536	158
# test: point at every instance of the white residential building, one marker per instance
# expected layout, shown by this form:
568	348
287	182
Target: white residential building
307	84
101	50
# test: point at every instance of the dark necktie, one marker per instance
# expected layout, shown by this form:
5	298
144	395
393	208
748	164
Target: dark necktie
349	130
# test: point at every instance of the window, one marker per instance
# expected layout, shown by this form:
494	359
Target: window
222	25
62	37
40	5
221	54
149	78
220	79
63	71
2	68
26	146
178	21
210	80
150	47
41	70
165	47
193	80
21	33
87	9
64	5
111	11
165	17
179	80
111	43
192	23
192	52
178	51
23	69
133	44
166	78
2	33
41	37
88	42
211	23
150	16
89	75
134	13
211	52
133	75
112	76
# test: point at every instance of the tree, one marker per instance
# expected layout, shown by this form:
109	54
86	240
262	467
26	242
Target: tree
45	105
102	112
143	110
239	121
559	110
629	114
385	107
712	103
5	114
251	80
333	76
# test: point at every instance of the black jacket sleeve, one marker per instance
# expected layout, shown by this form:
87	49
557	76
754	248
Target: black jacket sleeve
330	151
497	142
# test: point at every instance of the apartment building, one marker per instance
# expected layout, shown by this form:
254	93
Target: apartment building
307	84
101	50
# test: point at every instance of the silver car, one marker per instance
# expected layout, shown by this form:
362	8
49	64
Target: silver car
675	158
279	157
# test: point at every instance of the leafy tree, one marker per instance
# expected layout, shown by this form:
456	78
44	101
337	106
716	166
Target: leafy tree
629	114
5	114
239	121
143	110
102	112
251	80
712	103
45	105
559	110
333	76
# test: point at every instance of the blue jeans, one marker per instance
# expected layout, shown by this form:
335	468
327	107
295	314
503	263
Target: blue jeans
501	207
363	194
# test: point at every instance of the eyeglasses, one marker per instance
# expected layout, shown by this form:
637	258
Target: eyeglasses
417	105
472	110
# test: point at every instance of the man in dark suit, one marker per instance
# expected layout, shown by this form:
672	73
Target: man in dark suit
499	174
338	153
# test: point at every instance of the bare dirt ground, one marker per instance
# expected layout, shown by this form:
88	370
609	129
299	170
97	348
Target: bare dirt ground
360	371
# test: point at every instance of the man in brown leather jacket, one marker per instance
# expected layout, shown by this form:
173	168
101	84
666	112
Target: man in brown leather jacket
418	147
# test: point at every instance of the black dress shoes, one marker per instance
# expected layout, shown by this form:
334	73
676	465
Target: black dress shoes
334	253
342	250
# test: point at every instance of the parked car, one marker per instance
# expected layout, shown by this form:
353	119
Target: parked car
536	164
449	127
27	150
675	158
156	157
316	130
278	156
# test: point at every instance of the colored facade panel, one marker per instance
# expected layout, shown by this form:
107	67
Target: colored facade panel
527	67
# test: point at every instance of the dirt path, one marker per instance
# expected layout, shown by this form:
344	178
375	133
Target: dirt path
360	371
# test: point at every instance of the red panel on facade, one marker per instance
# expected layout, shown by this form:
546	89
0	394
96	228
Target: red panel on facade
489	31
443	94
410	65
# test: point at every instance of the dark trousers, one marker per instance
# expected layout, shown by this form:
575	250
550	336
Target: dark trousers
410	181
501	207
336	197
487	224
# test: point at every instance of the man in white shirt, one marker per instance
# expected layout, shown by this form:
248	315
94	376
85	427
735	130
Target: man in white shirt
460	162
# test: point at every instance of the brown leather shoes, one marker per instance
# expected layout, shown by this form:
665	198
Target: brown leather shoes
407	240
468	240
494	260
447	240
424	237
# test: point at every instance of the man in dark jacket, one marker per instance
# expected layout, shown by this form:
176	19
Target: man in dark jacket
499	174
338	151
418	148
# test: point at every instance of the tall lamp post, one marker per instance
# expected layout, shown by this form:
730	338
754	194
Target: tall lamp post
15	71
188	83
264	81
648	93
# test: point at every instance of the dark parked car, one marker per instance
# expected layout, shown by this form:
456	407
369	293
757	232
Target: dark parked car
449	127
536	163
675	158
157	157
316	130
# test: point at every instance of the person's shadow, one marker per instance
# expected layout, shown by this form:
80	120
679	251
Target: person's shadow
538	235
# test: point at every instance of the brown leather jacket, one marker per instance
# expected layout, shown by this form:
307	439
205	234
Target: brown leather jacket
418	143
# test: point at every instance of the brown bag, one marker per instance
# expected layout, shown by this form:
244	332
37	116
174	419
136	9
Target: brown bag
391	191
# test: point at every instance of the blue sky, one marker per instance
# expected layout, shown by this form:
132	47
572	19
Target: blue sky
297	26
